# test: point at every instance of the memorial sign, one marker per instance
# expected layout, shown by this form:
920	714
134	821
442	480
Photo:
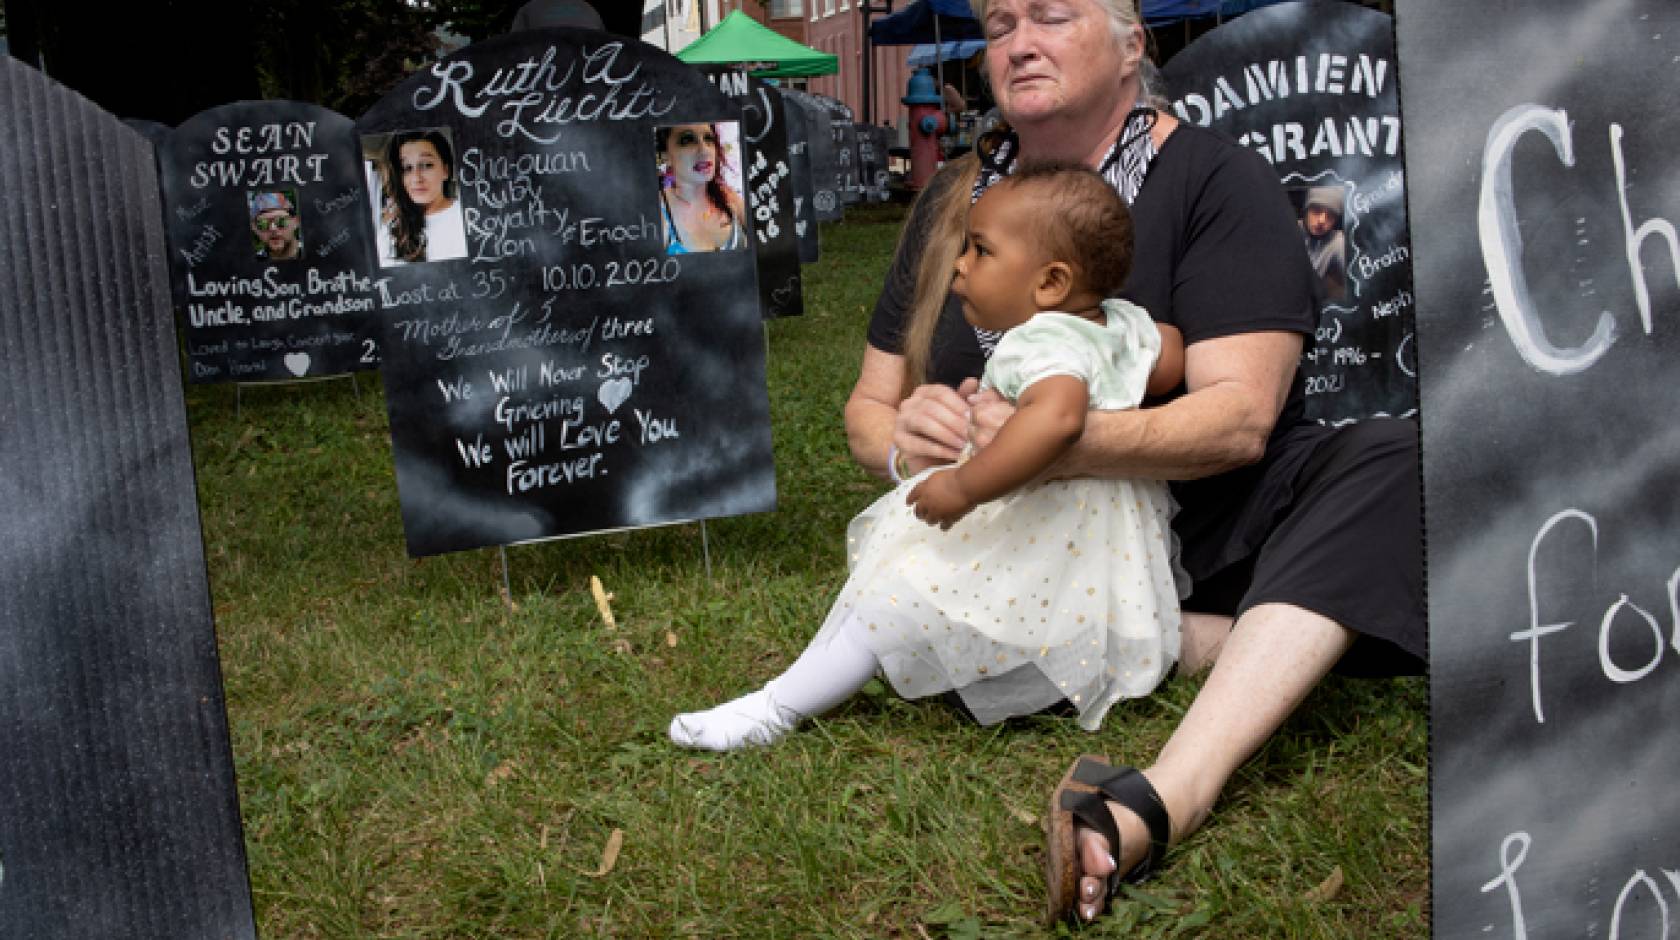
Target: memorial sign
873	143
848	182
769	191
1312	86
824	155
586	352
268	243
1544	209
118	815
804	190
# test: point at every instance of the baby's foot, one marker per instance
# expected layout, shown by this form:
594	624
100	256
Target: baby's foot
754	719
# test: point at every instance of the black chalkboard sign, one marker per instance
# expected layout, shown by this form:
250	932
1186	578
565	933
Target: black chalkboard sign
804	189
118	816
1312	86
1544	207
268	243
823	153
873	143
769	191
587	353
848	182
153	131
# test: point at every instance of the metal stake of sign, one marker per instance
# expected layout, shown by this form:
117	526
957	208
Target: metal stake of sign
355	388
706	549
507	589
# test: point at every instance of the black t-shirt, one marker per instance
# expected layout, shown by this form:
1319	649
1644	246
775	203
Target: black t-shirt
1218	252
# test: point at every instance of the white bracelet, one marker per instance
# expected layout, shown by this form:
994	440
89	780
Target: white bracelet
892	463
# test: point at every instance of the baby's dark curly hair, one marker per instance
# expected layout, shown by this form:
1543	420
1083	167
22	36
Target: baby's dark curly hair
1080	220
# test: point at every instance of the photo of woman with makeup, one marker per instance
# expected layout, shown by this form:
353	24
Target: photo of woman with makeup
700	188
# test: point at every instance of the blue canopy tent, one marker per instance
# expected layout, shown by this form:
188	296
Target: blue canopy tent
944	24
935	21
1162	12
926	21
939	24
928	54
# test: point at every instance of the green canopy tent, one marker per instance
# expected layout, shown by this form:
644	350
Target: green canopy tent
742	40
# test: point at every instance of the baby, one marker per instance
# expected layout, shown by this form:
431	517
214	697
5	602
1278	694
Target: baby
981	578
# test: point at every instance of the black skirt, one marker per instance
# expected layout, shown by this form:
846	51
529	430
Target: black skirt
1346	542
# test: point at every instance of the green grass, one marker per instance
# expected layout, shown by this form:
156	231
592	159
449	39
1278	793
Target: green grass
420	756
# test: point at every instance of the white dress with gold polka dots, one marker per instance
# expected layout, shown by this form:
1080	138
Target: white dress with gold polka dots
1062	590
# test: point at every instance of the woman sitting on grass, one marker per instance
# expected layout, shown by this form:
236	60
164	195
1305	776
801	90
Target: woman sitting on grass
979	578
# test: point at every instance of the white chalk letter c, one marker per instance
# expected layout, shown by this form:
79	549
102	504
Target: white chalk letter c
1496	224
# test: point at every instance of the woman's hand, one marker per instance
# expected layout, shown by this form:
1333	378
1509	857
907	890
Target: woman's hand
932	425
939	499
987	412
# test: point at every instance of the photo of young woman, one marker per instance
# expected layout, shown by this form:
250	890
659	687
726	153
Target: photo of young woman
417	208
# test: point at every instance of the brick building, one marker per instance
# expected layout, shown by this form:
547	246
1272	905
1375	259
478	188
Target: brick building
833	26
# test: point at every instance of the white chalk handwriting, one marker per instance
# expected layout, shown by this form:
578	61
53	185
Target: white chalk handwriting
539	96
1327	73
1536	630
1521	842
1502	244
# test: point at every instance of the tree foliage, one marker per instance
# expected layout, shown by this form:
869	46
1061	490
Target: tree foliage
346	54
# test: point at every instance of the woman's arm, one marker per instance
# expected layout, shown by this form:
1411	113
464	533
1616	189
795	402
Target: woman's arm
1048	422
930	427
1237	386
1169	365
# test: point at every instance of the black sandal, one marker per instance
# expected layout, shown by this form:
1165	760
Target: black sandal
1082	796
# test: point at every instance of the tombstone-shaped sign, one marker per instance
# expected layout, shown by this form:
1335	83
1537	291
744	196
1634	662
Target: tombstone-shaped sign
153	131
873	141
269	243
1312	86
118	816
804	190
769	181
823	154
848	181
851	180
572	334
1544	209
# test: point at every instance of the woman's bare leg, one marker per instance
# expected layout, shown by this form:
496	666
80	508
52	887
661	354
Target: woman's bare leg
1201	637
1274	656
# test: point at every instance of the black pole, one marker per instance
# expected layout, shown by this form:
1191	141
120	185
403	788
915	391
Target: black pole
868	68
866	9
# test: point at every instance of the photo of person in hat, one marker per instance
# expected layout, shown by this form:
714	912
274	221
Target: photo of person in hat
276	230
1321	226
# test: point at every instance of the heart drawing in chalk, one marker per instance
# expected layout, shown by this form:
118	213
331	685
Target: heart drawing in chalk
781	295
614	392
297	363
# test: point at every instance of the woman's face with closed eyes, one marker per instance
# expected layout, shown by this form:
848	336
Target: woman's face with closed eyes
1058	60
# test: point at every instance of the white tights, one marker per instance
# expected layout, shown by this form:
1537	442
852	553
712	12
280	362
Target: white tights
830	671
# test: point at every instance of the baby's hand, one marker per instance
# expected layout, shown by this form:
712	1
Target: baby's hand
939	499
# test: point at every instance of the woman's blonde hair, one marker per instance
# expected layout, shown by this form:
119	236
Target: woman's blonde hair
943	234
942	240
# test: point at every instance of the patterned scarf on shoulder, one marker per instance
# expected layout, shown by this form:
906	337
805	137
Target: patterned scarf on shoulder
1124	166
